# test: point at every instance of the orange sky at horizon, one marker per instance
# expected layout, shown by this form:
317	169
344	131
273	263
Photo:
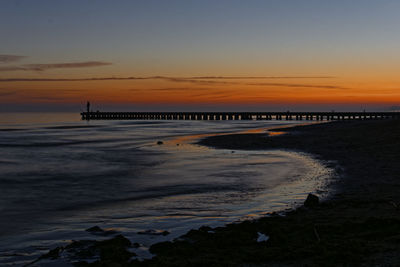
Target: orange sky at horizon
178	91
197	54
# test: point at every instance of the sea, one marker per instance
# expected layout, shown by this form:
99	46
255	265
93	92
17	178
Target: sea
60	175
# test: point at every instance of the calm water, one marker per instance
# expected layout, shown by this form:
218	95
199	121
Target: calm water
60	176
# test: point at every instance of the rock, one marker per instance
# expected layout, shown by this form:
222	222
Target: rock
154	232
164	233
82	249
311	201
205	229
94	229
118	241
110	252
52	254
161	247
160	142
98	231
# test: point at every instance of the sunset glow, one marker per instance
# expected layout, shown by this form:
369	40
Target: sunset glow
185	53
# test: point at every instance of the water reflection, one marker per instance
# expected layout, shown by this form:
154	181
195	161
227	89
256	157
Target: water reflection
113	174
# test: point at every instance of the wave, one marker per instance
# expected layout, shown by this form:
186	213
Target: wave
66	127
155	193
64	143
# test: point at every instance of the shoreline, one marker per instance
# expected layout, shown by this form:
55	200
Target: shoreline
358	225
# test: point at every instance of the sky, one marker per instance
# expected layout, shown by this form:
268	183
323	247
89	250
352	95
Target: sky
199	55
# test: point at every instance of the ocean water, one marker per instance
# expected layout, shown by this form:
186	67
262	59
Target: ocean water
60	175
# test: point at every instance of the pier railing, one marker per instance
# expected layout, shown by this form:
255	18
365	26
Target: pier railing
318	116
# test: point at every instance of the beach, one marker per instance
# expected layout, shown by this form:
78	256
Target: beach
358	225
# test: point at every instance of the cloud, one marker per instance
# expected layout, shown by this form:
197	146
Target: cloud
11	68
87	64
260	77
193	92
8	93
43	67
48	98
195	81
10	58
323	86
208	80
67	79
168	89
202	80
215	94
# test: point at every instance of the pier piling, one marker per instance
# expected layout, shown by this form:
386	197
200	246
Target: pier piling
319	116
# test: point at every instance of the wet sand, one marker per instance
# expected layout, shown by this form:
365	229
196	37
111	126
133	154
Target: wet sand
358	226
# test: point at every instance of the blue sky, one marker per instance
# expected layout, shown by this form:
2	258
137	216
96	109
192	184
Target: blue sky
158	32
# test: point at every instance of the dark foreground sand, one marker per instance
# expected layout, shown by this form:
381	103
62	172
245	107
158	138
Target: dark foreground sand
360	225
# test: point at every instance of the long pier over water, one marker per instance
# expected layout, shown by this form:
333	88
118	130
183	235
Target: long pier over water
319	116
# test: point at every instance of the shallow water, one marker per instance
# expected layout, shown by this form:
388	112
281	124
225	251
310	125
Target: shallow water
60	176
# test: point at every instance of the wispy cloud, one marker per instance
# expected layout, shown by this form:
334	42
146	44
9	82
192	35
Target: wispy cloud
195	81
48	98
87	64
321	86
43	67
168	89
191	80
226	80
215	94
11	68
202	80
260	77
65	79
8	92
10	58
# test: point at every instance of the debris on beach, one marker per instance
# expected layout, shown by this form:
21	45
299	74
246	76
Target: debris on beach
311	201
160	142
107	252
262	238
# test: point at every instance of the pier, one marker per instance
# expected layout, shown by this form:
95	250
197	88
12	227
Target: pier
308	116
